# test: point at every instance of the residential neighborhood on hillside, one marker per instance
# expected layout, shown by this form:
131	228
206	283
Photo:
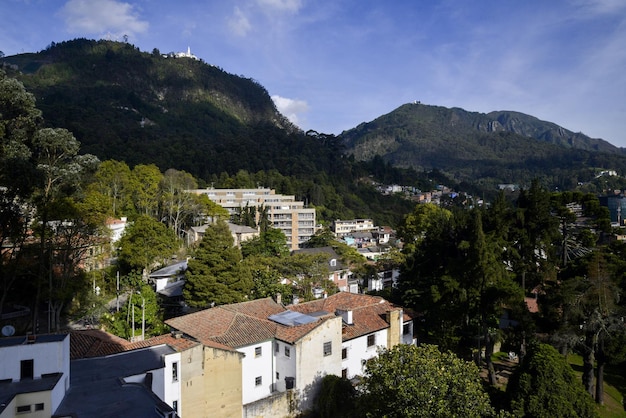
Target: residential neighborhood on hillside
256	358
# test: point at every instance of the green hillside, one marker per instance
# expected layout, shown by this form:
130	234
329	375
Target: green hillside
500	147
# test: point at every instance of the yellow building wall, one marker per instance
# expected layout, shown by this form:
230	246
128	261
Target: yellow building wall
394	333
31	399
222	383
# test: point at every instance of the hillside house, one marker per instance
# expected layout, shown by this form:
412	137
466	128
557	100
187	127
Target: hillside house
338	273
240	233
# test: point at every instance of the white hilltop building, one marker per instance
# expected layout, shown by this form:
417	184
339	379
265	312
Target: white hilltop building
187	54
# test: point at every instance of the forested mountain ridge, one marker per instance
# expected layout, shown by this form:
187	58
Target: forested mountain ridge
148	108
183	113
470	146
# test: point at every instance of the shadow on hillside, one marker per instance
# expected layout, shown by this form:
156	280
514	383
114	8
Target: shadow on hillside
613	375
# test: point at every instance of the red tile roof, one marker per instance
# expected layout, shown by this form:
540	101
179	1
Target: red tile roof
238	324
369	313
98	343
247	323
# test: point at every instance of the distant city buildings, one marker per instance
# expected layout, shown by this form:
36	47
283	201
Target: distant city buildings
285	213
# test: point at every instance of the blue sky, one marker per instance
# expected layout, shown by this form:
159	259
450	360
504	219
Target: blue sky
330	65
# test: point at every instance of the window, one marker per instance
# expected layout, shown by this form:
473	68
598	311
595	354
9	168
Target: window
344	373
175	371
27	369
175	406
287	352
258	380
258	351
39	407
22	409
277	376
328	348
277	347
344	353
406	329
371	340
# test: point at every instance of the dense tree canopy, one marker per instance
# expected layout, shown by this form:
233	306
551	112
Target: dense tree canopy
410	381
216	275
545	385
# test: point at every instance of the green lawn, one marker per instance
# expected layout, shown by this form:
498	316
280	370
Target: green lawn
614	388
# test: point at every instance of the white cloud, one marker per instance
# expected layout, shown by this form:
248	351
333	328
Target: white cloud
282	5
291	108
102	17
239	23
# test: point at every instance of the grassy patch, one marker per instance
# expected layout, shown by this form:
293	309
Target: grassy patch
614	388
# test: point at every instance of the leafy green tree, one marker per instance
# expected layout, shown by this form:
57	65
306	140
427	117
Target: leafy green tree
140	305
410	381
272	243
73	245
545	385
535	232
60	171
216	275
177	203
267	278
337	398
113	180
419	222
323	238
145	188
19	119
146	243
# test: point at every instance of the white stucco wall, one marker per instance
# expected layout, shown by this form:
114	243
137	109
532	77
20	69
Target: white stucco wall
284	366
257	366
311	363
358	352
171	390
48	357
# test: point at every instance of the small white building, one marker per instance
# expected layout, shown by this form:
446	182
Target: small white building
35	371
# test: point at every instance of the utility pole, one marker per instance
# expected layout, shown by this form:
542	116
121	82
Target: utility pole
143	319
118	291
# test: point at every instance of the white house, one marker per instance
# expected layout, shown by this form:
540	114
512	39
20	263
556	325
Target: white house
291	348
35	374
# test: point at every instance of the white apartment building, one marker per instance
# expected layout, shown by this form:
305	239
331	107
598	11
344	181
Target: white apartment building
343	227
285	213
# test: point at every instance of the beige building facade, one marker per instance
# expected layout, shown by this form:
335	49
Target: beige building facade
287	214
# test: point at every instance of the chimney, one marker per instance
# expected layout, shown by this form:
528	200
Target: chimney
346	315
279	298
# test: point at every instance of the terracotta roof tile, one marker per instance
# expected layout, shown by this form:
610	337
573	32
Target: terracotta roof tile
247	323
369	313
99	343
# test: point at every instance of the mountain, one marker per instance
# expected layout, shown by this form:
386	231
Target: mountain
490	148
179	112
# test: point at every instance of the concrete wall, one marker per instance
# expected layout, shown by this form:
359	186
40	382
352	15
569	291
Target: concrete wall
192	402
279	405
49	357
30	399
221	385
311	363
